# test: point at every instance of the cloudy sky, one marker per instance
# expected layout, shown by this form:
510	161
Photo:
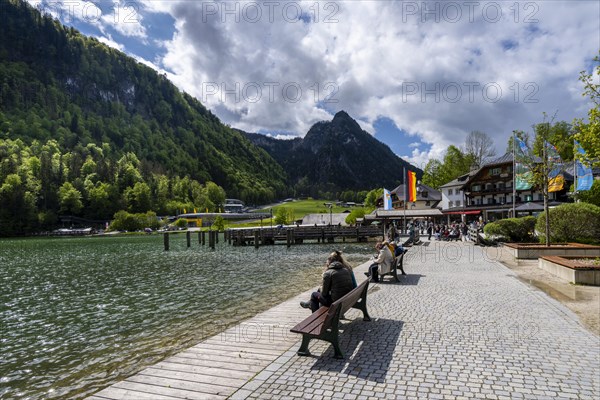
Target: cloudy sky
418	75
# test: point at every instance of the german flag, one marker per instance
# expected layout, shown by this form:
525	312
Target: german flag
411	186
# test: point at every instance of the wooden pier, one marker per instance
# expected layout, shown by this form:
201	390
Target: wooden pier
299	234
219	366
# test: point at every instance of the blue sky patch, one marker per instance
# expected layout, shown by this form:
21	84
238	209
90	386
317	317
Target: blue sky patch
398	140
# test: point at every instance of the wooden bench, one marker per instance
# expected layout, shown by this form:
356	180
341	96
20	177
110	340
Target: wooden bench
398	264
323	324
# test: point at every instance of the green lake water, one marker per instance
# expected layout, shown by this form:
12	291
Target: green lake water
76	314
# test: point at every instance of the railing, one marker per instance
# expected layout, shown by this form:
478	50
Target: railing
298	234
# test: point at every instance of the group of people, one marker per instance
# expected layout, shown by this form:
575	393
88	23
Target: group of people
387	252
448	232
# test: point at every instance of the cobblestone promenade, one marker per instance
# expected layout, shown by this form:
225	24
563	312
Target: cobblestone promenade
459	325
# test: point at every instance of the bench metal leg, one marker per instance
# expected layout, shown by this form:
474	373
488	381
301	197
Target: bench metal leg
303	351
337	349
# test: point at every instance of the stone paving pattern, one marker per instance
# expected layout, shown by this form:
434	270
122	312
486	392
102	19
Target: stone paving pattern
459	326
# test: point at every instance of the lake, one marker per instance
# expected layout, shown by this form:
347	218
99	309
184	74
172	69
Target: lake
76	314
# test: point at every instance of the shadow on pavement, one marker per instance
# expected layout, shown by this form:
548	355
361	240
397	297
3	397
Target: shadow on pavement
368	347
408	279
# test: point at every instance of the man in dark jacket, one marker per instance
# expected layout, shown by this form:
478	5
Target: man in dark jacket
337	282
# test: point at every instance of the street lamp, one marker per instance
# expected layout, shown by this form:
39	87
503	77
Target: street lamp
330	206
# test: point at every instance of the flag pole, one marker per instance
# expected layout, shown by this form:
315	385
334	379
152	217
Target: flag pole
514	185
575	170
405	197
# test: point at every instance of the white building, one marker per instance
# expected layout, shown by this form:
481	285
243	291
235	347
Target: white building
452	193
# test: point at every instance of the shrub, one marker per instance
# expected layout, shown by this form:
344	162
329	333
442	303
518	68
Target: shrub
512	229
124	221
219	223
354	214
574	222
181	223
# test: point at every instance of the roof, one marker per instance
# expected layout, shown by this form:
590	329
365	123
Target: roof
503	159
530	207
379	214
432	194
460	181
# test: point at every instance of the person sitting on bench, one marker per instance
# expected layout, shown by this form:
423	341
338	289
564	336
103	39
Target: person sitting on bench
382	264
337	282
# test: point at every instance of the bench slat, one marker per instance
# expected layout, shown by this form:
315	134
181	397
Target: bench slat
311	322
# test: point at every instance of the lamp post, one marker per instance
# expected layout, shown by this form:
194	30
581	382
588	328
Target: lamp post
330	206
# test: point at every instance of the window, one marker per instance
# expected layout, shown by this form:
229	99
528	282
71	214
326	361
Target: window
424	194
458	203
475	188
449	192
450	204
540	196
528	197
495	171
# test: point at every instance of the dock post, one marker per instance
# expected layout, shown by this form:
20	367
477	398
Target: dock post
229	237
166	241
203	238
188	238
288	237
199	237
211	239
256	238
217	237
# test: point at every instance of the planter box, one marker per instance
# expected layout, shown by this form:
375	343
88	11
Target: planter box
569	269
531	251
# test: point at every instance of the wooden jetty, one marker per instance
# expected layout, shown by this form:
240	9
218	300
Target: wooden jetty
300	234
221	365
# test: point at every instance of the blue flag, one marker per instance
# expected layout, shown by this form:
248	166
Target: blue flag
522	174
387	200
584	175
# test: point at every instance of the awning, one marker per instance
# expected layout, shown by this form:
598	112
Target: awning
469	212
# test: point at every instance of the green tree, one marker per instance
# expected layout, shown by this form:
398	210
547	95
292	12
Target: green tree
100	200
181	223
18	206
455	163
138	198
354	214
588	134
591	196
215	194
540	165
281	216
372	197
70	199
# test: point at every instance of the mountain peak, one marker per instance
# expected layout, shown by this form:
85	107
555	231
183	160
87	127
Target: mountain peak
341	115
